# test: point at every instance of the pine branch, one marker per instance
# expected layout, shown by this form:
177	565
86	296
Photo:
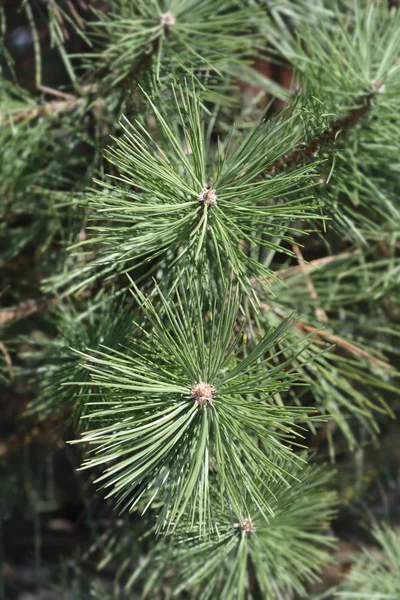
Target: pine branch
289	272
69	103
8	360
19	441
319	311
195	411
332	338
165	45
328	138
195	396
375	573
286	551
29	307
192	206
26	309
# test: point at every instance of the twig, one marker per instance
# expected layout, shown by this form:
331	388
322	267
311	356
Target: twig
289	272
18	441
58	93
332	338
30	307
48	108
310	149
319	311
328	137
25	309
8	360
69	102
313	264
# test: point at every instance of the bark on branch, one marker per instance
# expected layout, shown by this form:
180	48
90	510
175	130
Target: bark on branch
25	309
327	138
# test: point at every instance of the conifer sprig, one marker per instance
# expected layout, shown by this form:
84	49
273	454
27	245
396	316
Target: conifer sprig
180	38
359	56
352	70
375	573
175	200
183	406
348	355
193	415
323	142
248	556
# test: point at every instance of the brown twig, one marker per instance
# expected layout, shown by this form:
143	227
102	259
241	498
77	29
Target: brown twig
313	264
18	441
30	307
340	127
319	311
332	338
58	93
8	360
310	149
69	102
25	309
48	108
289	272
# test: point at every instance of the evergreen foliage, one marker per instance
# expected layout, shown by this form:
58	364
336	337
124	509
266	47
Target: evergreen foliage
221	289
161	204
191	411
275	556
171	40
374	575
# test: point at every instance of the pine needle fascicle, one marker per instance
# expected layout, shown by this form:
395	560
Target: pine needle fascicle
146	40
182	406
175	202
375	575
247	555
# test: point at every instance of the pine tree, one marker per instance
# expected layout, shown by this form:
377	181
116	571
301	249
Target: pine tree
200	283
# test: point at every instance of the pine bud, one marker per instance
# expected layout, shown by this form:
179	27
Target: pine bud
378	86
208	197
245	526
167	19
203	393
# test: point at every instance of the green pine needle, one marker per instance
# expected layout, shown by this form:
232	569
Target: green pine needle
155	435
175	200
375	575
